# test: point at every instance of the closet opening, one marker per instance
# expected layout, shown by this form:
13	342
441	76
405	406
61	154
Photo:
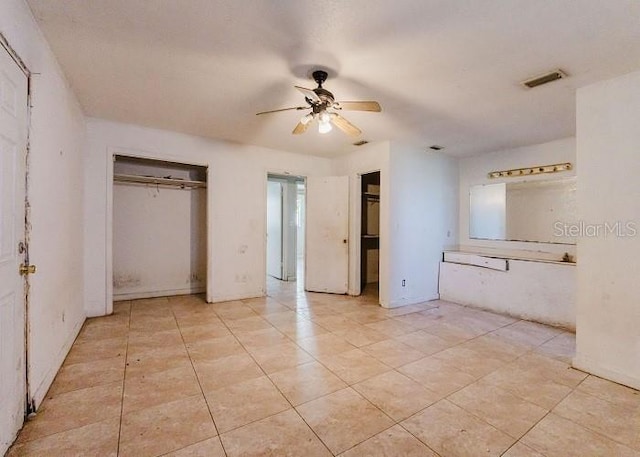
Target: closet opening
159	228
370	234
285	230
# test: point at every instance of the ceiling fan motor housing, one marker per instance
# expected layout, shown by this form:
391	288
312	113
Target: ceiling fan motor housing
320	77
325	96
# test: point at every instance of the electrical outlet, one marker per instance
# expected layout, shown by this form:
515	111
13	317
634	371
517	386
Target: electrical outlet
404	283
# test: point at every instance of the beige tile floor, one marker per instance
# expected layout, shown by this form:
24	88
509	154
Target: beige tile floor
304	374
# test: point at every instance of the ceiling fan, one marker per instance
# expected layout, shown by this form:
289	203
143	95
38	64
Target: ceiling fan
324	108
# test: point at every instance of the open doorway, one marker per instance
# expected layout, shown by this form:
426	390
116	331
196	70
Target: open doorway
370	234
285	230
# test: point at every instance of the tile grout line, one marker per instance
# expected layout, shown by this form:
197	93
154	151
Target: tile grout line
124	378
349	386
416	437
536	423
206	402
529	351
273	383
602	435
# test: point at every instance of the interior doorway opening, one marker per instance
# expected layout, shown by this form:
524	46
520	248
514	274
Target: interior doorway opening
370	234
286	229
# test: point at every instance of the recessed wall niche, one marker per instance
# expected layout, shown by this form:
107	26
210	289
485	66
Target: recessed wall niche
159	228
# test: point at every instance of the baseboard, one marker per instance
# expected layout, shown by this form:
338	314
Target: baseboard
585	364
411	301
157	293
37	394
223	298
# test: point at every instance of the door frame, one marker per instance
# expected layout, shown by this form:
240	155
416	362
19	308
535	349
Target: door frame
29	403
112	152
285	175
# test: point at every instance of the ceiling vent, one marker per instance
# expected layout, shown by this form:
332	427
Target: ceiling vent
544	79
360	143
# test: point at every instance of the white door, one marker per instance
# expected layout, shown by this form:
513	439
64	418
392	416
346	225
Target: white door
274	229
13	134
327	248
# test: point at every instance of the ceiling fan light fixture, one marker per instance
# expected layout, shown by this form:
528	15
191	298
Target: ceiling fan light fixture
324	127
324	122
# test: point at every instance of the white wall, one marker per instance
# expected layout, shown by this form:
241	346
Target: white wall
369	158
473	170
423	205
236	204
608	310
57	141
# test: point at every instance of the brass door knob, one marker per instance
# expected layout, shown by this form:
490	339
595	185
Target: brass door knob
27	269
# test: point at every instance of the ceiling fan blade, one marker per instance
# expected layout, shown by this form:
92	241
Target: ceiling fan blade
300	128
344	125
358	106
309	93
283	109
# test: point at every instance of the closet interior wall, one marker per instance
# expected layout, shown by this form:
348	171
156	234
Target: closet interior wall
159	228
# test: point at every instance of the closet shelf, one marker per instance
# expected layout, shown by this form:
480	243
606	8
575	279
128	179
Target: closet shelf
369	196
182	183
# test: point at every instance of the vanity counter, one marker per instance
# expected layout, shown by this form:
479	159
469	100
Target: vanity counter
539	289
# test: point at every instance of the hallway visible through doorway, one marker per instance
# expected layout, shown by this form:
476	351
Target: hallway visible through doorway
285	229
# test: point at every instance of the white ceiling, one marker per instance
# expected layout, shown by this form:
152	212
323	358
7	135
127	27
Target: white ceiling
445	71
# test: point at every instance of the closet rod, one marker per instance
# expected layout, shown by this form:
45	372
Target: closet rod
159	181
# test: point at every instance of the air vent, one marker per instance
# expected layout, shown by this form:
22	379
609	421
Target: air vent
544	79
360	143
435	147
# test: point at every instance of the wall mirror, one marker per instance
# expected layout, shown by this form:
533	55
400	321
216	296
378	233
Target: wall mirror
540	211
